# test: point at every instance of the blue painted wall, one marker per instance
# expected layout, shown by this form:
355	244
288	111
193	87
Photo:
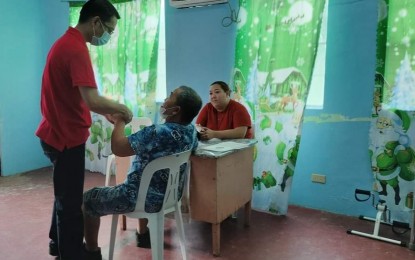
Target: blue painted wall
339	149
199	51
28	30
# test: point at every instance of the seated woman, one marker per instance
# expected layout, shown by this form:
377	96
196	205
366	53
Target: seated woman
222	117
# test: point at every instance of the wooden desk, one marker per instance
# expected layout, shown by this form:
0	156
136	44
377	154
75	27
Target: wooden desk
219	186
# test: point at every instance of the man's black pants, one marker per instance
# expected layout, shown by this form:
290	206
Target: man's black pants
67	228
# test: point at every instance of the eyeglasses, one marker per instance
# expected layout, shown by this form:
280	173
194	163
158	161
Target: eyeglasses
110	30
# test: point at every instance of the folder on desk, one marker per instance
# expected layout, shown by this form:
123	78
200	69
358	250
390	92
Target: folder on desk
224	146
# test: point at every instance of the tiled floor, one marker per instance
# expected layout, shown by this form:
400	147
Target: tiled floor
25	205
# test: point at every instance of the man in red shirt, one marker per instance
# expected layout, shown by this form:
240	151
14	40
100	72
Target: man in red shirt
69	93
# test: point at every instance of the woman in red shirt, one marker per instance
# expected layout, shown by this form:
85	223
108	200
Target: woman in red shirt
222	117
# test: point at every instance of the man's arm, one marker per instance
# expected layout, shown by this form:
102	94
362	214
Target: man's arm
102	105
119	142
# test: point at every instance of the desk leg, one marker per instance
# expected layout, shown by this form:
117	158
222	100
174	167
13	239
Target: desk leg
247	213
216	239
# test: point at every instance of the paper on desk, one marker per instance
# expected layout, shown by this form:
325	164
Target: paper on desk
224	146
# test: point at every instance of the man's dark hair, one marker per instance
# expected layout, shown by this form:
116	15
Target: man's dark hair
190	103
102	8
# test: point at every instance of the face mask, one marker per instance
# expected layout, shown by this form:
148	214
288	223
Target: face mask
98	41
163	111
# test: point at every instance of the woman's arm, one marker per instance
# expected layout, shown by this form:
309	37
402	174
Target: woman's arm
236	133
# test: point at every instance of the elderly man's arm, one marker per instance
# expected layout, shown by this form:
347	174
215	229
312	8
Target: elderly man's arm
119	142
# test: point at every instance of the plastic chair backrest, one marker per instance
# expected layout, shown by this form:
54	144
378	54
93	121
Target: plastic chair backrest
172	163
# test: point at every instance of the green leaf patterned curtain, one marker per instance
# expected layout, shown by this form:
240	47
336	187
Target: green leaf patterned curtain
392	132
126	67
275	51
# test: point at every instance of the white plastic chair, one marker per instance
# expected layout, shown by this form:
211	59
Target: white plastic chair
136	124
171	204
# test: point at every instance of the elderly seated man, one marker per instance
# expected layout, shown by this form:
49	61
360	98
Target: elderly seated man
176	135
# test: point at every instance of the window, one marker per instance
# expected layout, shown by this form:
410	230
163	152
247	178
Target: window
161	61
315	98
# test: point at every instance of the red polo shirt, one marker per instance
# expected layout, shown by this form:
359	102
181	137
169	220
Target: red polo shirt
65	116
235	115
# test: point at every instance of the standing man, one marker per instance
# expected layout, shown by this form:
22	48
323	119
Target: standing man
69	93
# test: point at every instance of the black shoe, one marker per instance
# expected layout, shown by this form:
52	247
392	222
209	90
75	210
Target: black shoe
92	255
143	240
53	248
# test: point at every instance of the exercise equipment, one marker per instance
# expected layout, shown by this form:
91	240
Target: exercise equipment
382	217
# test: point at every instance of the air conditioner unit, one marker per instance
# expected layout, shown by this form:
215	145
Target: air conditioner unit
192	3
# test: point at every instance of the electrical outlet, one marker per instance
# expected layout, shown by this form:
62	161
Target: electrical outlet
319	178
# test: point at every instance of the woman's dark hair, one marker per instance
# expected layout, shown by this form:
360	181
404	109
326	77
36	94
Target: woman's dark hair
102	8
190	103
223	86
